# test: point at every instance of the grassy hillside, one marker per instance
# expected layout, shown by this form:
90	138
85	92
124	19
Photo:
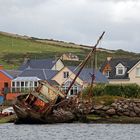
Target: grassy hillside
14	48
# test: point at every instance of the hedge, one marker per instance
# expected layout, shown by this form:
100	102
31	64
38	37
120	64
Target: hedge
123	90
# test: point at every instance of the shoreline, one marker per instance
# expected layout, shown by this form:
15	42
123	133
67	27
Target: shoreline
91	119
115	119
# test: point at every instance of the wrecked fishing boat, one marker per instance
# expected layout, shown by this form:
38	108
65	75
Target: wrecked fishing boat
47	104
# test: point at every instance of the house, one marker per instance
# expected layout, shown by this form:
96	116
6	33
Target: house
5	80
65	76
42	64
69	56
6	77
28	79
122	70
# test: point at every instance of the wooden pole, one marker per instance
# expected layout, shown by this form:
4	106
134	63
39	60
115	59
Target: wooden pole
85	61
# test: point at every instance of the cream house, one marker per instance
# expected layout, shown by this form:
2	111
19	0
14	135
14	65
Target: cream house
65	76
64	79
69	56
122	71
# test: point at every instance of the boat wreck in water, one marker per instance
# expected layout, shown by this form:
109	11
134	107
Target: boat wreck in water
47	104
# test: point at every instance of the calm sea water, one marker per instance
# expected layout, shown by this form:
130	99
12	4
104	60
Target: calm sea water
77	131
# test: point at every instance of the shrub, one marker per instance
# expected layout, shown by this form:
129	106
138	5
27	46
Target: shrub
123	90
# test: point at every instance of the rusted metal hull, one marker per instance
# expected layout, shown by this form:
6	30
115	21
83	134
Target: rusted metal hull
38	107
27	115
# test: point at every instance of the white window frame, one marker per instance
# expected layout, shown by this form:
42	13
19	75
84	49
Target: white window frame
120	67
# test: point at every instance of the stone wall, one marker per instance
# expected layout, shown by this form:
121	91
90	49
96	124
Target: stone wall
123	107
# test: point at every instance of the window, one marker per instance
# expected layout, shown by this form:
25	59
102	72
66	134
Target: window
13	84
138	72
107	74
35	84
22	84
31	83
18	84
120	69
26	83
66	74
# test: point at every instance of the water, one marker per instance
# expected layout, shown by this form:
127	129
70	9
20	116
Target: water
77	131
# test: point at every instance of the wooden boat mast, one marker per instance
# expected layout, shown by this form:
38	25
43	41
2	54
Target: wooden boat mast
85	61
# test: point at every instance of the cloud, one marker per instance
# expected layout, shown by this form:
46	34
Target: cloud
79	21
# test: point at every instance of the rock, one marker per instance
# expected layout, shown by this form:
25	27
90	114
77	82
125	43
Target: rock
92	111
126	113
132	114
120	113
96	107
136	100
120	109
136	109
99	112
114	105
105	108
125	106
138	104
131	108
111	111
131	104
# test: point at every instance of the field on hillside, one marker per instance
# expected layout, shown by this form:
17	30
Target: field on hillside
14	49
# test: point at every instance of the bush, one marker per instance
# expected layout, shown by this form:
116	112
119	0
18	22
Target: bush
123	90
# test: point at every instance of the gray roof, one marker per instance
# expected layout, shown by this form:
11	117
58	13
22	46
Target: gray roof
86	73
42	74
38	64
128	63
13	73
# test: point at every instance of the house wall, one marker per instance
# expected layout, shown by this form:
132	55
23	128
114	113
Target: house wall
58	66
60	77
114	81
4	79
68	57
132	75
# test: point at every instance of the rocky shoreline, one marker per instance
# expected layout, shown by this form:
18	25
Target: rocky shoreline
120	107
120	111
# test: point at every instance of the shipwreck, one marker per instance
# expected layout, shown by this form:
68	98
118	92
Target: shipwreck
47	104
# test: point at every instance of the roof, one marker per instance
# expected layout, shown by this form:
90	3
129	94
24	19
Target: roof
128	63
52	82
13	73
42	74
86	73
7	74
26	79
38	64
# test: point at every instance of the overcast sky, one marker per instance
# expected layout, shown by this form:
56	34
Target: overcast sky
78	21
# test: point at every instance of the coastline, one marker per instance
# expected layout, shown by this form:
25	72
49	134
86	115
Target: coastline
89	119
114	119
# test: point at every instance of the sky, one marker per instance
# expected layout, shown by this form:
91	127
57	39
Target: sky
77	21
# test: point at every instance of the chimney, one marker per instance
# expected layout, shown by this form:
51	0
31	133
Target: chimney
26	60
109	58
1	67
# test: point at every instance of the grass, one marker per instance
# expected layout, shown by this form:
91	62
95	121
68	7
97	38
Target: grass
13	50
7	119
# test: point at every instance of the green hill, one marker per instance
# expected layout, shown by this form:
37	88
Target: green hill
14	48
